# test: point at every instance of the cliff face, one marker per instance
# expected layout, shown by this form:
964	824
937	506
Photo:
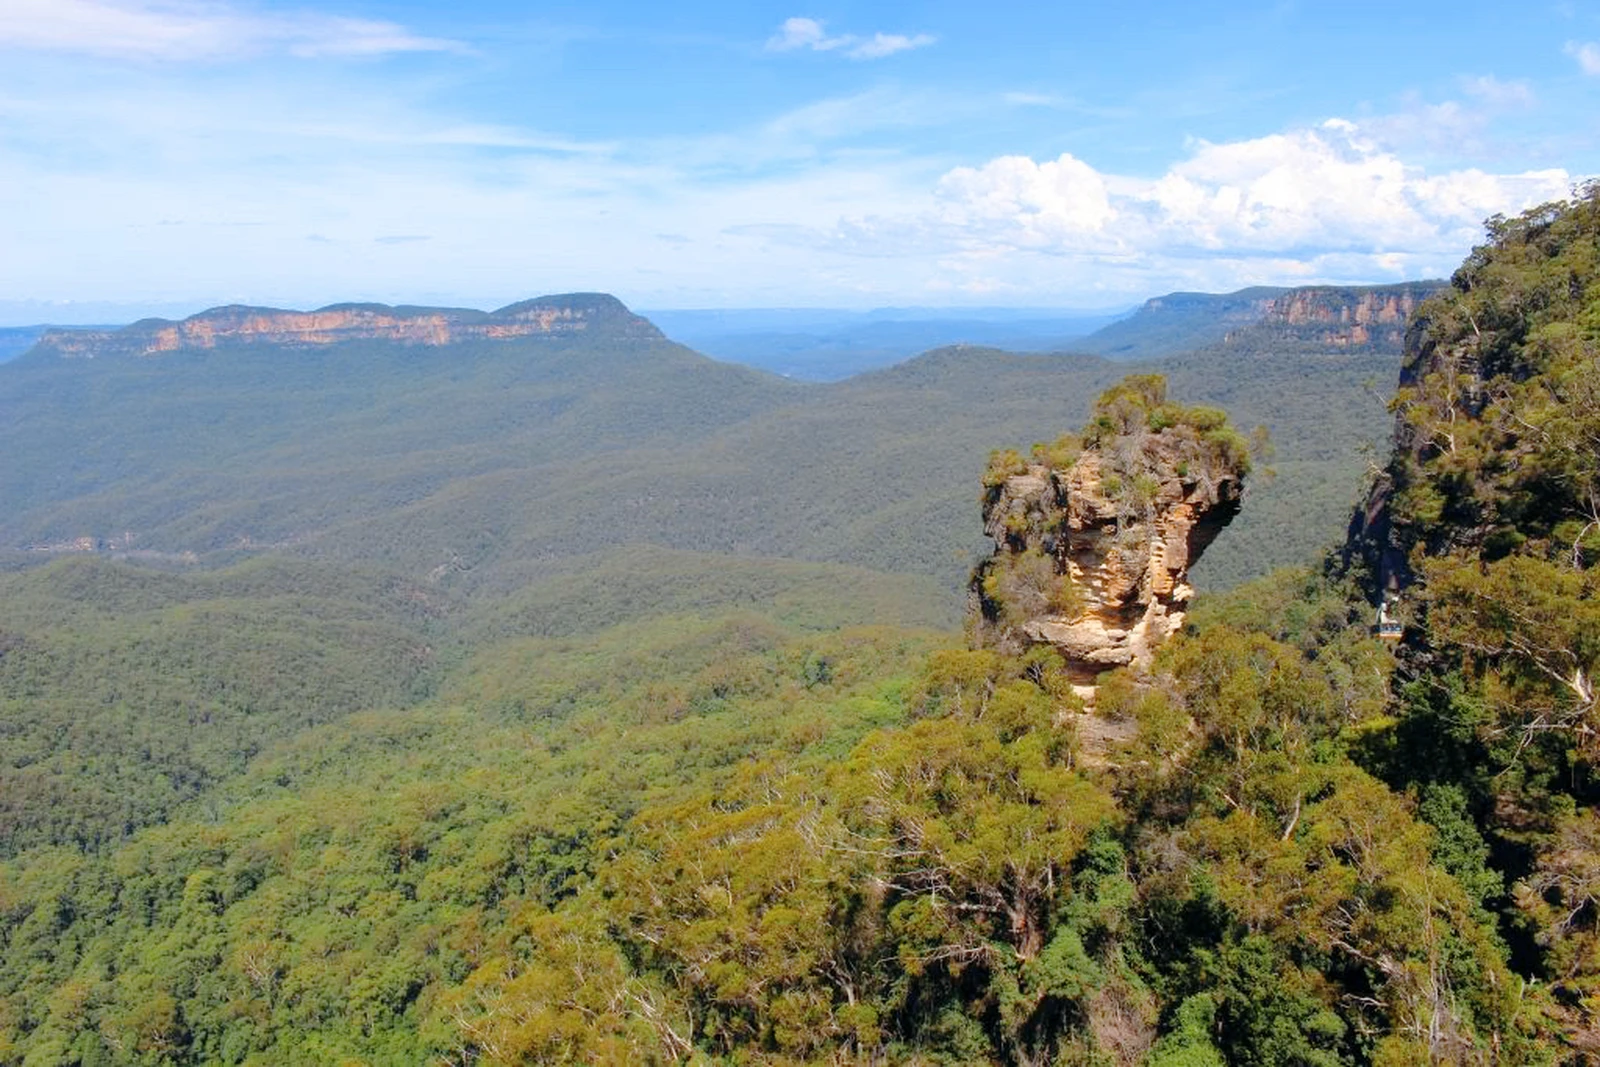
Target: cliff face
1349	318
1497	414
1316	319
235	325
1419	506
1092	556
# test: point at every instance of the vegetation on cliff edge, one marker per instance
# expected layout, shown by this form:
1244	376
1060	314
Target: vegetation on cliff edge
716	838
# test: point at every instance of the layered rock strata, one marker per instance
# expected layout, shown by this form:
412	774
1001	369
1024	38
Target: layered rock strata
236	325
1350	318
1094	559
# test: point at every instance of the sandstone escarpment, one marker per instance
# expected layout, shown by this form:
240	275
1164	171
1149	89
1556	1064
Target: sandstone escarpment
235	325
1268	322
1094	537
1349	318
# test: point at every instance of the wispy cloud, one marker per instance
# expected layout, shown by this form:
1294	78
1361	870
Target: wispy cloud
873	110
337	174
1055	102
464	136
811	34
1022	99
1498	94
1447	126
1453	129
189	30
867	128
1587	53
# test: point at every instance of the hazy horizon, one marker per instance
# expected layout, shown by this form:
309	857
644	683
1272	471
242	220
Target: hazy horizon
164	157
18	314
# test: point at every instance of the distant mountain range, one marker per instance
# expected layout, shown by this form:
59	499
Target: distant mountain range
824	345
426	685
480	450
340	323
821	344
221	532
1348	318
15	340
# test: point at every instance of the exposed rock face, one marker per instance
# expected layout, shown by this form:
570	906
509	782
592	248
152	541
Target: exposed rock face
235	325
1269	322
1093	559
1349	318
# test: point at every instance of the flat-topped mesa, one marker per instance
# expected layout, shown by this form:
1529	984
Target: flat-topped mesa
1360	317
1094	536
236	325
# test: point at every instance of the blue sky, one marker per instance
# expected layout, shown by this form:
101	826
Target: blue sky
166	155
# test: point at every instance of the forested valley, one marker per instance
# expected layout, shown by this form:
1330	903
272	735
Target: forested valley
529	721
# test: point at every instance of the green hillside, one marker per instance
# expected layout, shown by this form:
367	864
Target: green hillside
15	340
674	808
479	466
301	918
124	693
334	526
820	345
576	698
376	508
1178	322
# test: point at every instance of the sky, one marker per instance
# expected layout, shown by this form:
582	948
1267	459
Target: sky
162	156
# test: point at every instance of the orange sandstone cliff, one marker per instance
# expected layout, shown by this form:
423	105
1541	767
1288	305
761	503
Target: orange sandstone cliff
236	325
1094	537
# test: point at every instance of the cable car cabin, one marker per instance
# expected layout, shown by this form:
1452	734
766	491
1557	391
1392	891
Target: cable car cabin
1389	628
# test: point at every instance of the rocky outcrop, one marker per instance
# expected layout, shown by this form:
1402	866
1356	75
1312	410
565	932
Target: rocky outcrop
1267	321
1092	556
1368	317
235	325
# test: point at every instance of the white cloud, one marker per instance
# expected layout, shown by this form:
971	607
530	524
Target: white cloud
1459	129
800	33
1038	203
873	110
295	197
1303	193
1448	128
804	33
195	30
1323	204
230	195
887	44
1023	99
1587	54
1501	95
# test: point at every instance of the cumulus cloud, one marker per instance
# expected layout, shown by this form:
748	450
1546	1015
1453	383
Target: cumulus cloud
1587	53
1321	190
1447	129
1322	204
192	30
804	33
1038	204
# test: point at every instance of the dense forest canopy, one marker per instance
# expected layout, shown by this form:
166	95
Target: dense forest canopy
711	834
487	465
